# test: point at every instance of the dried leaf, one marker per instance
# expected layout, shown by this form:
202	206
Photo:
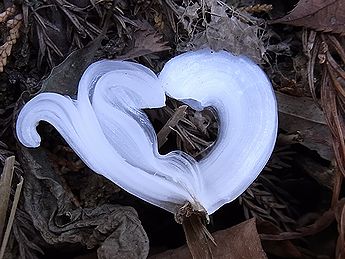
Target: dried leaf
116	230
146	40
321	15
64	78
240	241
302	115
322	174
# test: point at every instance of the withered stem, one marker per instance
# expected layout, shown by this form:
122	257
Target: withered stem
199	240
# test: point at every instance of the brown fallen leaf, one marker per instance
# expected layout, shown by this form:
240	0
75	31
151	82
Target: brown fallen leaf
146	40
302	115
114	230
64	78
322	174
240	241
321	15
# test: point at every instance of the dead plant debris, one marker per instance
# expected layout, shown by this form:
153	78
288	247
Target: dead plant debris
326	16
13	25
295	209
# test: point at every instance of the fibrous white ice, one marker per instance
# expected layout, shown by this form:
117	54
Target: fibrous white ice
108	130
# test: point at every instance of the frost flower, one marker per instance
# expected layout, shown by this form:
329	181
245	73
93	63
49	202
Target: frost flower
109	131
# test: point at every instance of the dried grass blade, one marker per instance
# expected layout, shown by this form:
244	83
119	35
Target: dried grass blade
335	121
172	122
11	217
331	66
311	65
336	44
5	190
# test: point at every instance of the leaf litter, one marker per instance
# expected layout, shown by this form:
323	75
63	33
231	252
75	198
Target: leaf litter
295	200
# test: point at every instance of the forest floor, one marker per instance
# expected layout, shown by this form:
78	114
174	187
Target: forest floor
295	208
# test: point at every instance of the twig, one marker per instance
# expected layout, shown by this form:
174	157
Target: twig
258	8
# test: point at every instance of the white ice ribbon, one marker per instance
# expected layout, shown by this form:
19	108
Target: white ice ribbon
107	129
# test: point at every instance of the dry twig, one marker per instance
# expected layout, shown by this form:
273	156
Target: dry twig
258	8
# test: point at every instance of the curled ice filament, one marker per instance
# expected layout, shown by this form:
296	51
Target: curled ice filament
107	128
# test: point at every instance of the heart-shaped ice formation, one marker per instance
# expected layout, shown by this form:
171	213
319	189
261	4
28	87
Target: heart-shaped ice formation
107	129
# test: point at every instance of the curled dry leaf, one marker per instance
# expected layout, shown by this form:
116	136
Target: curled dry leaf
320	15
115	230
